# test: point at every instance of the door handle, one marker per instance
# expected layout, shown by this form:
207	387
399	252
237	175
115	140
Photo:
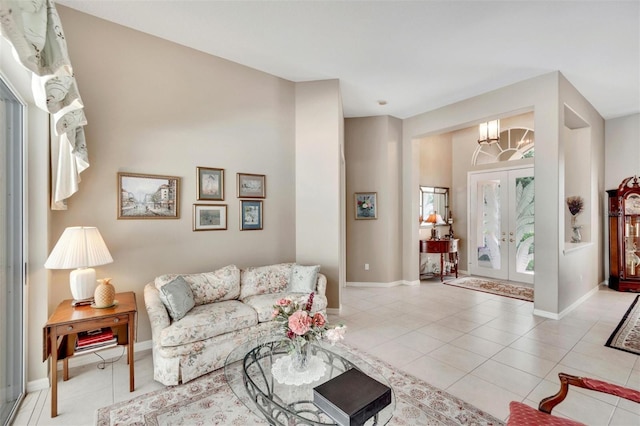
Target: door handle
511	240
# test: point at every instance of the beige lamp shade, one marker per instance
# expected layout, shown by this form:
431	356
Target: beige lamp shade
80	247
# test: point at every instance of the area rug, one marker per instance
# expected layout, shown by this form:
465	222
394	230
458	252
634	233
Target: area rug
626	336
208	400
501	288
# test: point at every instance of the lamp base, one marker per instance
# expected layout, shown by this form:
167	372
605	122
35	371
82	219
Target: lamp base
83	283
435	235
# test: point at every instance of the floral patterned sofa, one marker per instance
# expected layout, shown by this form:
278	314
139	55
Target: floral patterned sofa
197	319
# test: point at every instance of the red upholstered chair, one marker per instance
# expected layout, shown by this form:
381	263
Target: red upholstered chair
521	414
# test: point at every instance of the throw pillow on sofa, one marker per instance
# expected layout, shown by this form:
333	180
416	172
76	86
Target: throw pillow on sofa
303	278
265	279
209	287
177	297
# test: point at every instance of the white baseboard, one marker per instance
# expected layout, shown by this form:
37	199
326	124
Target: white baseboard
334	311
554	316
37	385
373	284
546	314
77	361
382	285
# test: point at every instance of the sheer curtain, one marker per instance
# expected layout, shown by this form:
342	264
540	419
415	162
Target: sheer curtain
34	30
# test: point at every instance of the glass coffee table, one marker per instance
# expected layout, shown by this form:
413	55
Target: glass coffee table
248	370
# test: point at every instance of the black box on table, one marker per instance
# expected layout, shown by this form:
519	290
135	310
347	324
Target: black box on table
352	398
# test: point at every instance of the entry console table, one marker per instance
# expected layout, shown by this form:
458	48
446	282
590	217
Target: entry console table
62	328
445	246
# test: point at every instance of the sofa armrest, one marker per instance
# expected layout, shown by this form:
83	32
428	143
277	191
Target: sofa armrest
158	315
321	286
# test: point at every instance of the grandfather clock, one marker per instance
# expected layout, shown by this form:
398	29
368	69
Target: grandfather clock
624	236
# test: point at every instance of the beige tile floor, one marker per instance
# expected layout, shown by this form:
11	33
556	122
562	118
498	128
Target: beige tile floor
485	349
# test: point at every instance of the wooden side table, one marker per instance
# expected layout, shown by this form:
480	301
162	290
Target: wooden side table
443	246
60	333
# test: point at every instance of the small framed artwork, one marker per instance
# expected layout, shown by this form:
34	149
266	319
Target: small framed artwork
251	186
366	204
148	196
210	184
250	215
209	217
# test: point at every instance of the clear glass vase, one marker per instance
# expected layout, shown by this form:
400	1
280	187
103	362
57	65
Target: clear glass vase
300	355
576	237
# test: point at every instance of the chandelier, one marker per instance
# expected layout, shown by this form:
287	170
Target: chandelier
489	132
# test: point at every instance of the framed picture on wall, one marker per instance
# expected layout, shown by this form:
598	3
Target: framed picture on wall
210	184
366	205
209	217
251	186
148	196
250	215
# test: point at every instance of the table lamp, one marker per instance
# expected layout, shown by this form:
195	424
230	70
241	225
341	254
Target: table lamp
435	219
80	247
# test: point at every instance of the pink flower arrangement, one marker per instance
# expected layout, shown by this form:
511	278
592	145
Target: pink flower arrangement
300	325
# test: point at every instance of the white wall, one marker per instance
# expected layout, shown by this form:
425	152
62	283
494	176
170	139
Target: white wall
319	138
577	154
622	159
622	156
580	271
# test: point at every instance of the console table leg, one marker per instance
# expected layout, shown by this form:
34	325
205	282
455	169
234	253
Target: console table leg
65	369
54	376
130	354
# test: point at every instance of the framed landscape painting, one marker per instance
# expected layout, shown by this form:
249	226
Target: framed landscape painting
366	204
250	215
210	184
148	196
209	217
251	186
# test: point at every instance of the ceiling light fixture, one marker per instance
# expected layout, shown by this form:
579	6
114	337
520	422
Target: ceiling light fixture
382	102
489	132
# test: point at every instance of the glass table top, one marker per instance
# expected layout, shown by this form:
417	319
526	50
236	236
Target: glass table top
248	370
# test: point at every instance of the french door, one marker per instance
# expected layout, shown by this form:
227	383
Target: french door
501	219
11	254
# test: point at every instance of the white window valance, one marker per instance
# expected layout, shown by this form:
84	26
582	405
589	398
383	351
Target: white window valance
34	30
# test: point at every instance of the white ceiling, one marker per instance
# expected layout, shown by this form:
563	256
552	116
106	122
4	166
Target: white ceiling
416	55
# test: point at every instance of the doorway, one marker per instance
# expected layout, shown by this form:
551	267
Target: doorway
501	224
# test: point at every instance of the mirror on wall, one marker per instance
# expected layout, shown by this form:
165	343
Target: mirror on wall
434	199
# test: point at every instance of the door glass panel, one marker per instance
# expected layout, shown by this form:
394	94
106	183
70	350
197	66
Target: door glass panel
525	191
489	224
11	258
631	258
